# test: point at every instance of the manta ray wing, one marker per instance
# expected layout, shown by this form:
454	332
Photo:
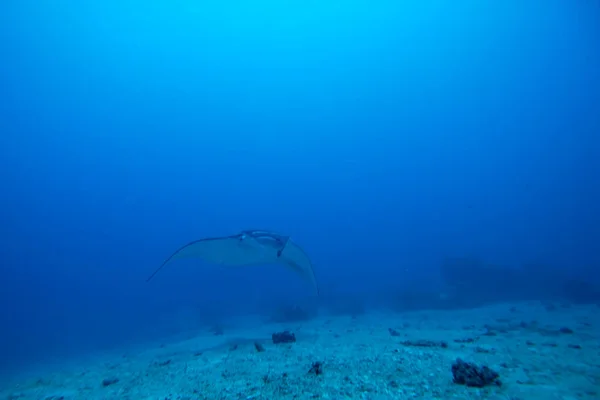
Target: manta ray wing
295	258
247	248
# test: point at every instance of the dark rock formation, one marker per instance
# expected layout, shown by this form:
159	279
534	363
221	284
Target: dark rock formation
425	343
472	375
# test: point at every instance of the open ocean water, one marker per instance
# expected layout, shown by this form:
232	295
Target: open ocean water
344	199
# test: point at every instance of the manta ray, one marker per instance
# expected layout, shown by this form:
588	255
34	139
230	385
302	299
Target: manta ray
249	247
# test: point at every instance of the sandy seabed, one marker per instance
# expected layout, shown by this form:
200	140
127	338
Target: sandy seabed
540	351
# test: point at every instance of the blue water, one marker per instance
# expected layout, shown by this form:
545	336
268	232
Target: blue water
382	136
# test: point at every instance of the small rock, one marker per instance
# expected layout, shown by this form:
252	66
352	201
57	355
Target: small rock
566	330
316	368
484	350
466	340
425	343
489	332
109	381
393	332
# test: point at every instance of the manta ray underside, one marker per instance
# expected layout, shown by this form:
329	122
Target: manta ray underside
252	247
